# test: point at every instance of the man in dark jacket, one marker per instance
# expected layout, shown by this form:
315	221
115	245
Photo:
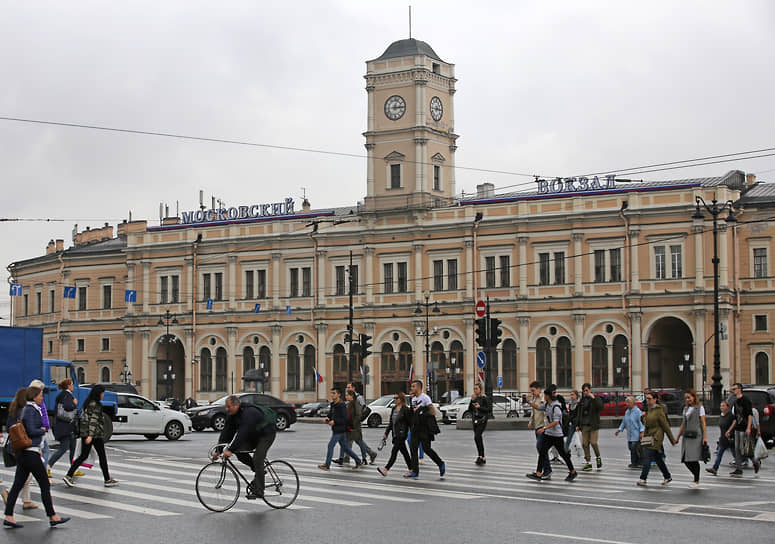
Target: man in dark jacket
589	419
245	430
337	420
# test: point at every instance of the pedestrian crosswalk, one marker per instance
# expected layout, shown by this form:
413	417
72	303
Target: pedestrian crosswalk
163	486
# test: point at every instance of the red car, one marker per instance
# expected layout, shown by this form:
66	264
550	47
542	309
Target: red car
613	403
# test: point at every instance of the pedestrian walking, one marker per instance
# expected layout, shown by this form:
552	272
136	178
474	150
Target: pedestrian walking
573	418
656	427
632	423
343	458
45	449
29	461
14	414
423	430
724	443
66	410
695	435
479	408
92	435
398	424
538	420
354	433
552	437
743	429
589	417
337	420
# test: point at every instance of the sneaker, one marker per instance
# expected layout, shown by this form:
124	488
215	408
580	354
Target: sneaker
712	471
641	483
372	457
357	466
587	468
111	483
599	463
694	485
736	473
556	461
411	475
79	473
571	476
442	469
632	465
756	466
382	470
69	482
324	467
666	481
546	476
406	474
338	461
533	476
251	495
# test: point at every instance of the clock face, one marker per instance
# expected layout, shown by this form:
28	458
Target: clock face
437	110
395	107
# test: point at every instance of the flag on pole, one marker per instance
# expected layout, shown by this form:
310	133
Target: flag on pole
318	377
411	373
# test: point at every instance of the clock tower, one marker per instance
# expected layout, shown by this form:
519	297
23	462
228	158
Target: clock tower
410	138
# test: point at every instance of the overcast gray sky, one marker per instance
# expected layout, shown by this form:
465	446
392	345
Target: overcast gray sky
558	88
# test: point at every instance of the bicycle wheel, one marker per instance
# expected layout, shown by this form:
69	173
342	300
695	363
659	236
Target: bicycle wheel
217	486
282	484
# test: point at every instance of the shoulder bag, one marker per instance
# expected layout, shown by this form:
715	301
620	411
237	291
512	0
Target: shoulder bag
17	434
63	414
647	441
9	459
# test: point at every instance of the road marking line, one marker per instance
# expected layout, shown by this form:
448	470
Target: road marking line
574	537
113	504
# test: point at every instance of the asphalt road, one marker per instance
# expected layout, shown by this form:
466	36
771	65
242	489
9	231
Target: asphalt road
155	501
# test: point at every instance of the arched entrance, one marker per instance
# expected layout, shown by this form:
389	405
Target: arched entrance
669	341
170	361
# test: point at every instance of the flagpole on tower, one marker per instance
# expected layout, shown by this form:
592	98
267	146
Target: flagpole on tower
410	22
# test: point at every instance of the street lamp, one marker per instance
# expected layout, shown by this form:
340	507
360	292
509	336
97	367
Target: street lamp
427	332
126	374
686	367
164	321
715	210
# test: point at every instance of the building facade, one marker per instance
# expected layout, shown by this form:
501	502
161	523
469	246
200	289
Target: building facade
604	281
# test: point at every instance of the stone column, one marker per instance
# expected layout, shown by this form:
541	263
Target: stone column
321	360
699	348
147	378
370	160
578	267
637	368
231	362
64	347
418	283
369	264
579	366
699	256
275	372
232	282
322	280
469	268
634	266
523	268
523	359
146	287
188	286
276	259
468	363
189	363
129	339
724	349
130	286
611	376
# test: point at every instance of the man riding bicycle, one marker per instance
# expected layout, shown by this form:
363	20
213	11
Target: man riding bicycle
246	429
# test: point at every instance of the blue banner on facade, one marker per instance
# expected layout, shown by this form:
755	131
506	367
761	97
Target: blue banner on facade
209	304
288	310
130	295
69	292
257	308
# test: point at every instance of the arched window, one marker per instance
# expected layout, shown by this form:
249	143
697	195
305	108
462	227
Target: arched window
621	362
543	362
438	357
599	362
105	374
292	365
265	363
248	360
564	362
340	358
762	368
456	356
388	358
509	364
205	370
405	357
220	369
80	374
309	368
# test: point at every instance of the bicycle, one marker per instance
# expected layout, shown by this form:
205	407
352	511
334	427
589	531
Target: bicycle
218	483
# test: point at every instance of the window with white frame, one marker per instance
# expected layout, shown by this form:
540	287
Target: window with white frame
341	280
676	262
38	301
667	258
451	274
438	275
489	272
436	177
760	262
52	297
606	262
444	267
255	284
211	286
387	278
559	267
659	263
342	273
82	293
760	323
403	277
497	267
107	296
549	258
105	345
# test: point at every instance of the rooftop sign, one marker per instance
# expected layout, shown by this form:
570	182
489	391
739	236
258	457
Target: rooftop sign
235	213
581	184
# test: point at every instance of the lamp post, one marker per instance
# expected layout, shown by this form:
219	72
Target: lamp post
715	210
126	374
164	321
684	368
427	332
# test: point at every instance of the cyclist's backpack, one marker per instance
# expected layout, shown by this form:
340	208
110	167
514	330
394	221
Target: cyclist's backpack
270	418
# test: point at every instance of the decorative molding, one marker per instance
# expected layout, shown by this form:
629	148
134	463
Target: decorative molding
438	157
276	329
394	156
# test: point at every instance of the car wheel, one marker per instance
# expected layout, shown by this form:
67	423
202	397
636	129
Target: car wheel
219	422
151	436
374	420
198	428
282	422
513	413
466	415
174	430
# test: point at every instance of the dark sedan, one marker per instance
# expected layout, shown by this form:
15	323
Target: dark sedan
214	414
313	409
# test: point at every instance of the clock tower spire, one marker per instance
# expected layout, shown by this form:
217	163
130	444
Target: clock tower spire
410	138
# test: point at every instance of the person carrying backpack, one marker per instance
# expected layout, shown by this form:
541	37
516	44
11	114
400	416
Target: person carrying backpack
248	428
552	436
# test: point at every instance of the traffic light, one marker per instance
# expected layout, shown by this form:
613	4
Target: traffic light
346	337
481	332
495	331
365	346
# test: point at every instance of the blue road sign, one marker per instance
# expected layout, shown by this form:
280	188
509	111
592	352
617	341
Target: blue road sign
257	308
16	290
481	359
130	295
69	292
288	310
209	304
500	381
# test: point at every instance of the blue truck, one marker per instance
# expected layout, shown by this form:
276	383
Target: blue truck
21	361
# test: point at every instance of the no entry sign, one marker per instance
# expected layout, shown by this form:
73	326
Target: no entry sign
480	309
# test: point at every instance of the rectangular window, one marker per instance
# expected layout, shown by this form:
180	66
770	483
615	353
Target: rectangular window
659	262
451	274
38	302
175	295
676	267
206	287
164	295
543	269
403	278
219	286
261	284
306	282
294	291
340	285
438	275
106	344
80	344
760	323
355	278
249	284
51	346
51	300
615	261
82	298
395	176
489	274
760	262
436	178
559	267
505	271
107	297
387	271
26	299
599	265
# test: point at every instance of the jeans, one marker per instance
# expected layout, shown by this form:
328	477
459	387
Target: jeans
339	438
365	450
720	454
66	443
649	456
30	462
547	443
414	446
45	450
479	428
546	464
409	441
99	447
634	457
257	462
568	438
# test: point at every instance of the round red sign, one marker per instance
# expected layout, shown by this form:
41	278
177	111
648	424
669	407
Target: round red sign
480	308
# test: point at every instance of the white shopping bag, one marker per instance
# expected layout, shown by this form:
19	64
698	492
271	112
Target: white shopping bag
760	450
575	446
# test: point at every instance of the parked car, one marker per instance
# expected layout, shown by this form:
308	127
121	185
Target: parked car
614	402
312	409
453	411
502	406
381	408
764	401
673	399
214	414
138	415
117	387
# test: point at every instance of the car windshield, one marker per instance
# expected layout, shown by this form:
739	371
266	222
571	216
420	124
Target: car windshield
310	405
221	400
462	400
382	401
